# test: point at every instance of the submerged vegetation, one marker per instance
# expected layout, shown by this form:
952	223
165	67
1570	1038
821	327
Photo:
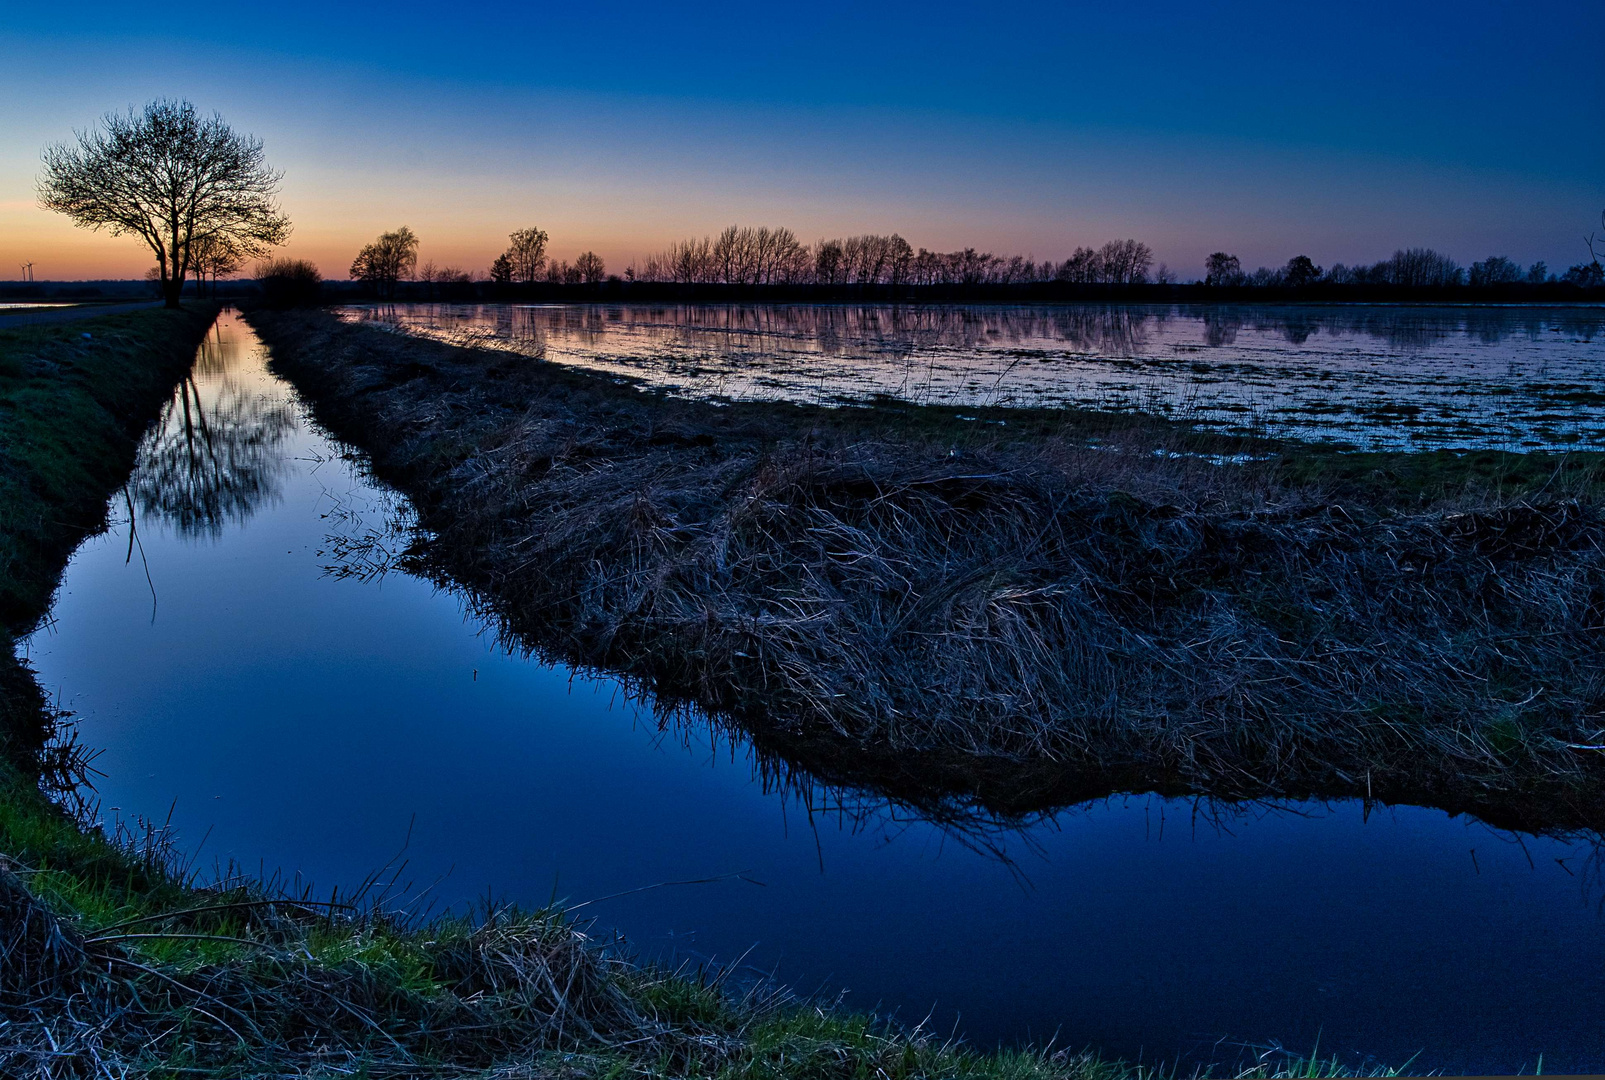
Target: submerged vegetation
1013	617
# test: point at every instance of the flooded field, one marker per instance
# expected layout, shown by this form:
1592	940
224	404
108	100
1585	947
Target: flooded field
1374	376
284	713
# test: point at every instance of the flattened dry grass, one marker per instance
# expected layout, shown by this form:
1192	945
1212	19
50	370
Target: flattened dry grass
947	609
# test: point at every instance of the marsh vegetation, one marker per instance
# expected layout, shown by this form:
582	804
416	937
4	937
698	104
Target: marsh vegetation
303	611
994	611
121	957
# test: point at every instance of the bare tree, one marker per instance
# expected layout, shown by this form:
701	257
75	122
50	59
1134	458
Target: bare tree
591	267
1083	267
564	273
387	260
174	179
691	261
527	252
1589	240
1126	262
1495	270
1223	269
828	257
733	255
215	256
1418	267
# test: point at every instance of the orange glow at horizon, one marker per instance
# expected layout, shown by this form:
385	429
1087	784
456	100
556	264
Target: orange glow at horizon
61	252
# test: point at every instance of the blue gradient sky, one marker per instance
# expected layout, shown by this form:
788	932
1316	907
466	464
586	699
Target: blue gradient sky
1340	131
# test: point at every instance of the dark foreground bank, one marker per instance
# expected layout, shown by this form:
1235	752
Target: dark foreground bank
115	962
1015	619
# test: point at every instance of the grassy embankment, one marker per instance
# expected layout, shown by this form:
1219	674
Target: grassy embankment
74	400
963	614
113	963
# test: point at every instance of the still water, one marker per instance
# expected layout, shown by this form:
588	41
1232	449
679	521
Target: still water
1374	376
291	720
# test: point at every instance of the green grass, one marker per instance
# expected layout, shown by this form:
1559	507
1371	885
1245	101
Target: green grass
1430	476
74	399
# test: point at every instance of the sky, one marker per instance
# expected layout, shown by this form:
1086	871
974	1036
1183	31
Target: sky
1339	130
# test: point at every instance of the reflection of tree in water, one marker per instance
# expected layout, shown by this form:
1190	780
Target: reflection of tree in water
752	331
1221	326
213	459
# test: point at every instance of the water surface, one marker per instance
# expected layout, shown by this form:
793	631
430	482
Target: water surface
321	725
1371	375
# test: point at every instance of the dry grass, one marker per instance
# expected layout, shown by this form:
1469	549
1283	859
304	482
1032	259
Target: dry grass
1013	621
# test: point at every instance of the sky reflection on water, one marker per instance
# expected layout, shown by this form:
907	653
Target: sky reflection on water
1372	375
317	724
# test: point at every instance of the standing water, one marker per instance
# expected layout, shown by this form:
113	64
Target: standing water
287	719
1374	376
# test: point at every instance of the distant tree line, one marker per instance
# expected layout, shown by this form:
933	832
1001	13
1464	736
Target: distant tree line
748	256
1408	268
744	255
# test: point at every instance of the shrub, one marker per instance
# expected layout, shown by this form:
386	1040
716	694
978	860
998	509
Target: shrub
288	283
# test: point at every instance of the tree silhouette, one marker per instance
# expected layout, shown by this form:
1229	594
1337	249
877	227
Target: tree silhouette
177	180
1301	270
1222	269
590	267
386	261
527	253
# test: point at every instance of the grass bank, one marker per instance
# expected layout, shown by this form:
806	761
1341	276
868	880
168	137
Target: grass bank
115	961
1017	617
74	400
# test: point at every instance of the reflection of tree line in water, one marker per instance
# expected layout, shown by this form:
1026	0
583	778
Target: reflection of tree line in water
216	455
1109	329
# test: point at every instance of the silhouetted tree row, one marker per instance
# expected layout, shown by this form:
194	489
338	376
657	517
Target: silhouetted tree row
745	255
1411	268
763	256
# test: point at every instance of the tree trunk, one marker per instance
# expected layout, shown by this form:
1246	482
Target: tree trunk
171	289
